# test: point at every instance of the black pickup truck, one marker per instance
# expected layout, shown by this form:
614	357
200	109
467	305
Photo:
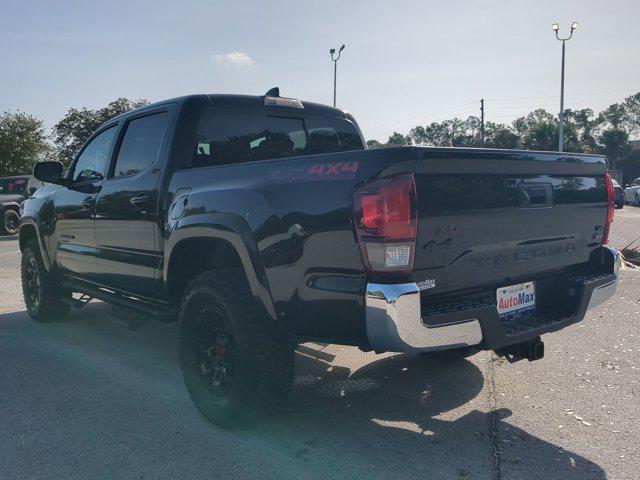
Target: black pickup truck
261	222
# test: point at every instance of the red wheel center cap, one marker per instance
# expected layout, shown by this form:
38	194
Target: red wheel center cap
219	350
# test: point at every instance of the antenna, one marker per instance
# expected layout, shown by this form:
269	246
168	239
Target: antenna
273	92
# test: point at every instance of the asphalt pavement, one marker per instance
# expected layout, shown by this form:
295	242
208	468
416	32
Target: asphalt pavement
88	398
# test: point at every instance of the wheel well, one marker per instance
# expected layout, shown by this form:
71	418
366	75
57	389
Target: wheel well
193	256
27	232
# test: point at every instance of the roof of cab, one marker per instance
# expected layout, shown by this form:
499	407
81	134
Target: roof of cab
232	100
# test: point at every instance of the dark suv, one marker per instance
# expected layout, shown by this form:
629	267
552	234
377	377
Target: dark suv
13	191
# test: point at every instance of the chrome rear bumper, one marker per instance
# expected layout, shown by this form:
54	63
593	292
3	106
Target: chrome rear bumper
394	318
394	322
603	293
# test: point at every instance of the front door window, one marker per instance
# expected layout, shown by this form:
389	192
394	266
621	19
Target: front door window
92	162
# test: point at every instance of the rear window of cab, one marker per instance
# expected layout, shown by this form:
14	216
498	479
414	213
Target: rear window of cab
230	136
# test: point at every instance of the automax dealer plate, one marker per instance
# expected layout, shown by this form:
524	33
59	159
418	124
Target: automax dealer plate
516	299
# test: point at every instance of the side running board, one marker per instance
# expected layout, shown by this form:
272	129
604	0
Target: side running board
158	311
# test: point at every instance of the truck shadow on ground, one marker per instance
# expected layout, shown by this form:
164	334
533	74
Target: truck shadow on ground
397	417
395	406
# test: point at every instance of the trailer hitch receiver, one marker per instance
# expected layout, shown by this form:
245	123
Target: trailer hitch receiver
531	350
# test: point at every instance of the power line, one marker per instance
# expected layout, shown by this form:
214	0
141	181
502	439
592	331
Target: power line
535	106
420	116
488	115
528	107
392	130
558	96
380	131
431	119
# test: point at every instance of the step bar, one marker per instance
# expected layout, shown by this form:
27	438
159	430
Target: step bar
162	312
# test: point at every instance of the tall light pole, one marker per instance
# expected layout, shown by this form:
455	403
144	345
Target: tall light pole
556	28
335	69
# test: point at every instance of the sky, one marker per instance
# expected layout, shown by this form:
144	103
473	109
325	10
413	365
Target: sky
405	62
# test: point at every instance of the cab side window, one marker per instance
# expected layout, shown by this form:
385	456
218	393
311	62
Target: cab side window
92	162
141	144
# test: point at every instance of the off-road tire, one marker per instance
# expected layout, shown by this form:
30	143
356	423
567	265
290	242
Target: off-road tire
9	219
451	355
262	360
50	305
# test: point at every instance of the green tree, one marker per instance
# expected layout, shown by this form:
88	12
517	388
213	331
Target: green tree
615	145
632	113
498	135
456	132
615	117
22	143
398	140
615	126
466	133
585	125
70	133
539	131
435	134
630	165
418	135
373	144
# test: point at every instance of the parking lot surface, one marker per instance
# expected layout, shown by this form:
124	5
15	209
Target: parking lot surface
89	398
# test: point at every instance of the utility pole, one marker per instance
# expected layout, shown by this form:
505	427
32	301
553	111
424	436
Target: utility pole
335	70
482	120
453	130
555	28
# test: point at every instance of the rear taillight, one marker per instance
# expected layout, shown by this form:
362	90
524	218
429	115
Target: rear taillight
610	209
386	224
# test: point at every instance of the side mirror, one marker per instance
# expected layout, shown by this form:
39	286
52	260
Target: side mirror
49	172
32	190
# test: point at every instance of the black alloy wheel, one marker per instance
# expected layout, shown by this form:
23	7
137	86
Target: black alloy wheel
10	222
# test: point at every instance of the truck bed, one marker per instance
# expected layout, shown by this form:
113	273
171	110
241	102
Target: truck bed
476	229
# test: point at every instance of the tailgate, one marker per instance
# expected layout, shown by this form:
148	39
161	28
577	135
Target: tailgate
494	218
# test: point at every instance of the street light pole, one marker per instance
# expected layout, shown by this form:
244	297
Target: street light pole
556	27
561	132
482	120
335	76
335	69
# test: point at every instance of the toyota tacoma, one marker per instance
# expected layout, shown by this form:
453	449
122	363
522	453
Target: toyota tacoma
261	222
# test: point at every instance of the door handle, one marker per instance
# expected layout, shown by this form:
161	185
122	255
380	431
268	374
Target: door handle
140	201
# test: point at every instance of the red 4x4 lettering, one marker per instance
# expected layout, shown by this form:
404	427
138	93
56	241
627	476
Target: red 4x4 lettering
332	169
351	167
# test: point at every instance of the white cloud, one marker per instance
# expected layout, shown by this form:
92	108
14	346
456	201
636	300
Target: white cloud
236	59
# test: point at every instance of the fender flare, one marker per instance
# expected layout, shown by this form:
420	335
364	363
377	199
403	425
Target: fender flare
12	205
234	230
44	253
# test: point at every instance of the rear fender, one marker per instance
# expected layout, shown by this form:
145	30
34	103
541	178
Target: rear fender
236	232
